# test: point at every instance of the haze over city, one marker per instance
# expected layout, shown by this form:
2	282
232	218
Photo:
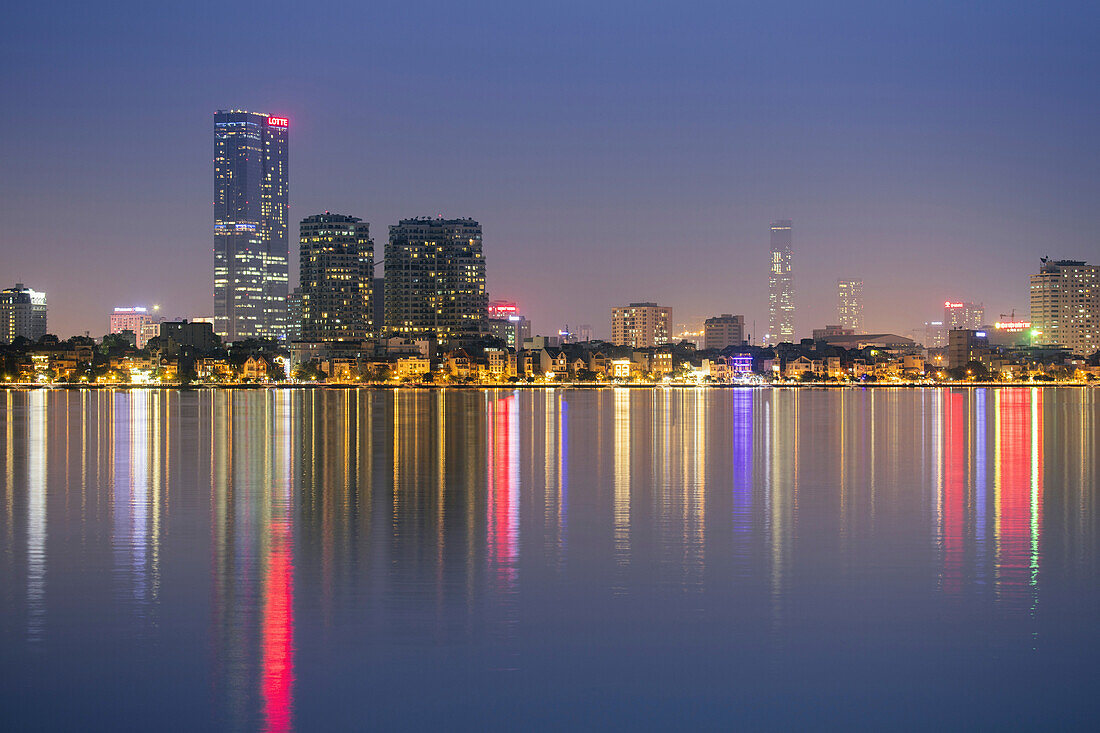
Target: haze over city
613	154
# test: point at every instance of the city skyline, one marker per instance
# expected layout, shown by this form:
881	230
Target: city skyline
919	198
590	365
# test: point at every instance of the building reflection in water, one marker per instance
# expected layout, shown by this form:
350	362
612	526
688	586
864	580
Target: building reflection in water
781	492
743	434
252	521
621	479
503	503
36	451
136	447
990	524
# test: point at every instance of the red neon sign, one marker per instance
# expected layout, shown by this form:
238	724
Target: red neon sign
278	121
949	304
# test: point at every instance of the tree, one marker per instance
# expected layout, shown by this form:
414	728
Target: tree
114	344
309	371
586	375
977	371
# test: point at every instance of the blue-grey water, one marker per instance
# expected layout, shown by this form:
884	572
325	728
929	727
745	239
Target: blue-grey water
494	559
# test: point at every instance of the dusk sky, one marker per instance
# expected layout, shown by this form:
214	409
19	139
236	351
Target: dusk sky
613	152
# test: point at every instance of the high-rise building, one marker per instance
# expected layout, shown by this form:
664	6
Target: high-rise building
958	314
131	319
511	330
1065	305
505	323
723	331
337	278
251	195
849	304
780	286
641	325
435	279
22	313
932	335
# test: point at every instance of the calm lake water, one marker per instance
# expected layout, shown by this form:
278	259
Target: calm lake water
496	559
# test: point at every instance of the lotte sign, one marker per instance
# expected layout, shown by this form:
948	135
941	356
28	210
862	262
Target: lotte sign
278	121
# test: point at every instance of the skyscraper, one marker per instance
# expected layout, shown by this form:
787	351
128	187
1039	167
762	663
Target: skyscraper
1065	305
22	313
251	196
849	304
435	279
641	325
337	278
780	286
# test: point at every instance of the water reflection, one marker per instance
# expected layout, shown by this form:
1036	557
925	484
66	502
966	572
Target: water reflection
990	527
36	451
252	522
355	526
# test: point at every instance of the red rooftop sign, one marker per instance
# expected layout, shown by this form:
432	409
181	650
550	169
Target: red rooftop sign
278	121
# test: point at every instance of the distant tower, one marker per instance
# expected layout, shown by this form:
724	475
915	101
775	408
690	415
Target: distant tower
849	304
250	225
780	286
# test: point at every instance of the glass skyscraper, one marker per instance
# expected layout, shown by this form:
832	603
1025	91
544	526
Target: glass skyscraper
251	196
780	286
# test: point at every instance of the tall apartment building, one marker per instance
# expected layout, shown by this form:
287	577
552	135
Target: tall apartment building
336	269
849	304
132	319
641	325
723	331
957	314
435	279
251	204
780	285
22	313
1065	305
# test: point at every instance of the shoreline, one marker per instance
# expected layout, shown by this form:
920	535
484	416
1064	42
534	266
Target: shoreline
563	385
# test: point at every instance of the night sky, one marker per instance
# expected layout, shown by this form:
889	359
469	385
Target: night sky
614	152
